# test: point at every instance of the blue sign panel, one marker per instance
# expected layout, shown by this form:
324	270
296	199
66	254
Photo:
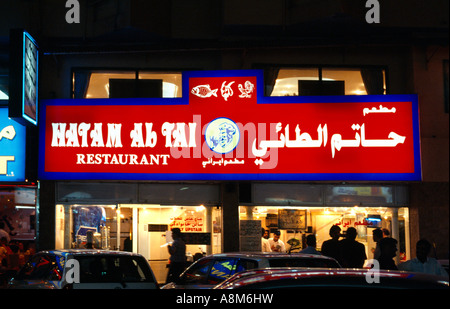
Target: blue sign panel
12	149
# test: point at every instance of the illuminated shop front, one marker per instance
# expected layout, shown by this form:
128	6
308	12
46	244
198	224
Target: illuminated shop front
81	219
128	170
297	210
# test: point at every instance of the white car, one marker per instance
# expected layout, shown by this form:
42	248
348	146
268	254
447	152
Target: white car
84	269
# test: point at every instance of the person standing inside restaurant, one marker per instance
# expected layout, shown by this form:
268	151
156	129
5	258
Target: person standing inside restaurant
310	245
276	244
385	250
352	252
265	245
330	247
177	260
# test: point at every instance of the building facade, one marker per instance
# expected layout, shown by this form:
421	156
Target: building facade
132	49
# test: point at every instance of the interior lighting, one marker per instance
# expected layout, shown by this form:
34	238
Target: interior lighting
374	218
200	208
25	207
3	96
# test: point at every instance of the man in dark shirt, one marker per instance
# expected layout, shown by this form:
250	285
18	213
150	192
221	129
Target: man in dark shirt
177	258
331	247
352	252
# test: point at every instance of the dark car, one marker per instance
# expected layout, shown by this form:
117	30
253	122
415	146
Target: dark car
84	269
294	278
213	269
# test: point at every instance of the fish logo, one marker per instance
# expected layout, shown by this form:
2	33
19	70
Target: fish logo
204	91
222	135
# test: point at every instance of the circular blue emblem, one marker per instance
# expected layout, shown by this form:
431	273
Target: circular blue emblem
222	135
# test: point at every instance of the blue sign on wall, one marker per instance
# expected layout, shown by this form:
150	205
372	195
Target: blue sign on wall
12	149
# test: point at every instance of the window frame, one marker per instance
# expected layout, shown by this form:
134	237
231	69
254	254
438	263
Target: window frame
320	67
116	70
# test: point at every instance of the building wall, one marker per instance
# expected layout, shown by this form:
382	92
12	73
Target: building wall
410	70
430	198
212	35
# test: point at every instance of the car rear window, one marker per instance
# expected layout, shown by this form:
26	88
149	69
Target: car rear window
40	267
103	269
225	267
302	262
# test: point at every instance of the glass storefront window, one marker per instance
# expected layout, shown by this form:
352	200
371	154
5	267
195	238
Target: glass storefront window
139	228
18	217
295	223
291	81
356	195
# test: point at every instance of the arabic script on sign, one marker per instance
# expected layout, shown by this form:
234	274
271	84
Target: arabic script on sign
304	140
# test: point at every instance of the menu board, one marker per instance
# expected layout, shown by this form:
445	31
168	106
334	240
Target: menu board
250	235
292	219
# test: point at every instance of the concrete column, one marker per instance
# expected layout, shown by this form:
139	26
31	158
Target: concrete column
209	229
395	232
45	215
230	211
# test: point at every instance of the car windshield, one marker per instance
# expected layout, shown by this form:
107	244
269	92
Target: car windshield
96	269
302	262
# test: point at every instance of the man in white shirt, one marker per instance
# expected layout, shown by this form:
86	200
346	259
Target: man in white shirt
276	245
265	245
422	263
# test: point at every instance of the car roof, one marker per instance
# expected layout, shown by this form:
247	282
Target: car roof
264	275
270	255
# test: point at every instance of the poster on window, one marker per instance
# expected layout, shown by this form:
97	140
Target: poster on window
292	219
250	235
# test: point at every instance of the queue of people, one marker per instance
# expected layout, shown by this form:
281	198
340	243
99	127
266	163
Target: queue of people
352	254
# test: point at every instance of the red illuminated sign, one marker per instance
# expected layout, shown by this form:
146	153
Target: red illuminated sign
225	129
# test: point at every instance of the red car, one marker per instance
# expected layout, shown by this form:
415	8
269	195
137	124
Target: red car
314	278
209	271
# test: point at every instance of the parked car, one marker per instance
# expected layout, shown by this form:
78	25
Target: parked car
295	278
84	269
213	269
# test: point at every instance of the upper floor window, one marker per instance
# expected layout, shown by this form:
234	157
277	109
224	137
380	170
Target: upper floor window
283	81
90	84
325	81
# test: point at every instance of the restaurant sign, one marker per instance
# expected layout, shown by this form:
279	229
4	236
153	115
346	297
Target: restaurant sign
12	149
224	128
